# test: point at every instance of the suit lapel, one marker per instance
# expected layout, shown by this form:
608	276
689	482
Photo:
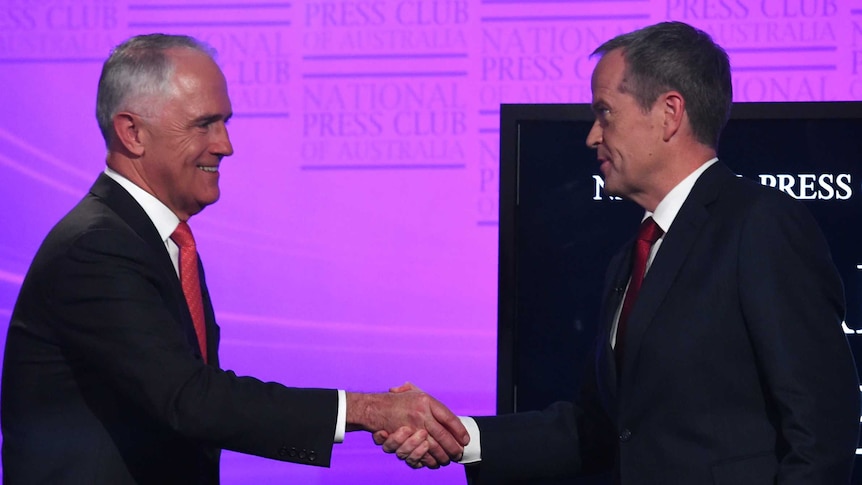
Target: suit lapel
132	214
121	202
615	286
209	317
674	249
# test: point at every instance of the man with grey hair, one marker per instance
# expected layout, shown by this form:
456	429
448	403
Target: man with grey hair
111	372
720	357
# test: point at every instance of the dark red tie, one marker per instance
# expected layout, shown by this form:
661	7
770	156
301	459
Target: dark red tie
648	234
191	281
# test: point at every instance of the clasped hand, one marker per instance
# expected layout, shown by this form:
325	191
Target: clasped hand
430	438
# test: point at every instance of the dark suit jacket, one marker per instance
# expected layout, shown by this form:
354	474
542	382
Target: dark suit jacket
736	369
103	382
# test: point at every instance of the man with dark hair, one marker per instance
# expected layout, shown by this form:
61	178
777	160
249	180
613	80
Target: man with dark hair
720	357
111	373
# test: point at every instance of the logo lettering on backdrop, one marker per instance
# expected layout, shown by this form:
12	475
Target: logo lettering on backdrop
808	186
257	68
383	85
697	10
783	52
781	87
383	122
59	31
599	188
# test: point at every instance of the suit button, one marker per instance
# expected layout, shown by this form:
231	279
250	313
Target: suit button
312	455
282	451
302	454
625	435
292	453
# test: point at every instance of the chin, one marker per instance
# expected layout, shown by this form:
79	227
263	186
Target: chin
211	198
202	204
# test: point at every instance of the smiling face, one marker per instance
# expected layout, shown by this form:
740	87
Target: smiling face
185	139
627	139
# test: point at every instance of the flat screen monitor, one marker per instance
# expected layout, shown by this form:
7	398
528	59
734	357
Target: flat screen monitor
558	229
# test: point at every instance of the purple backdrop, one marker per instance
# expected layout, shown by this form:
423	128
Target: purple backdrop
355	245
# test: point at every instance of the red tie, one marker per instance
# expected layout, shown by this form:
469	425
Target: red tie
648	234
191	282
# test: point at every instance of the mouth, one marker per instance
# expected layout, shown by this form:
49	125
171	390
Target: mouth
208	169
604	165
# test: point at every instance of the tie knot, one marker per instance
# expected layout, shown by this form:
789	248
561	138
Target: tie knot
649	231
183	236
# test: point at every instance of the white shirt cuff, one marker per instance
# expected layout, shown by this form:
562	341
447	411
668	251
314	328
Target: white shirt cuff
341	420
473	451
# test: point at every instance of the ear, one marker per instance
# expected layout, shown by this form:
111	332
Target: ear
673	111
128	132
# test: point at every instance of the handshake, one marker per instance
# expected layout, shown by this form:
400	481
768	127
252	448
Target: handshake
406	421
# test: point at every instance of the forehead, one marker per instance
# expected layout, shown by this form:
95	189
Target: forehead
198	83
194	71
608	74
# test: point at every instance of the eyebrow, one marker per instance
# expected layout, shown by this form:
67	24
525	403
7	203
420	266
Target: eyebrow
211	118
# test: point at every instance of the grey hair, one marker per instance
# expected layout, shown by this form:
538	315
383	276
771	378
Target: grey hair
136	70
677	56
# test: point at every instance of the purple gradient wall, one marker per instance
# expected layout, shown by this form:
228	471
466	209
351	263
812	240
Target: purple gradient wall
355	245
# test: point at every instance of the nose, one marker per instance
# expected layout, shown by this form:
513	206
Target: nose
594	137
221	144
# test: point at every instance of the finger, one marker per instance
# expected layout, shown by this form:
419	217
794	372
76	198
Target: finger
446	445
436	451
415	456
451	422
380	437
412	442
403	438
430	458
429	461
391	442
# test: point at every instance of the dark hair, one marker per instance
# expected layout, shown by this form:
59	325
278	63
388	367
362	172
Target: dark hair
676	56
135	72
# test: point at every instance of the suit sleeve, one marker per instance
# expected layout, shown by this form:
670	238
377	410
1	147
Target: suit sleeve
518	448
112	316
793	305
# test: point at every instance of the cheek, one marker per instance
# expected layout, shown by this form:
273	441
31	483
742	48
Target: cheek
192	146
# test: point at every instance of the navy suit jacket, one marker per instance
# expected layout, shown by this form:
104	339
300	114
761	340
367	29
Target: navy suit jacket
736	370
103	382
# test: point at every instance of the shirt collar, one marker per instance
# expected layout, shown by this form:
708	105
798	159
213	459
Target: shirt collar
163	218
667	209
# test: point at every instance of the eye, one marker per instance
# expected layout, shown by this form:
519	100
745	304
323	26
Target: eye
602	113
208	122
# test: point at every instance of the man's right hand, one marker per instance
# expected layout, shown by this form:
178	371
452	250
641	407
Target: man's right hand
413	419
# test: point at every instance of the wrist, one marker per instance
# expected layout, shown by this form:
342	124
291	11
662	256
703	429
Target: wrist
361	411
